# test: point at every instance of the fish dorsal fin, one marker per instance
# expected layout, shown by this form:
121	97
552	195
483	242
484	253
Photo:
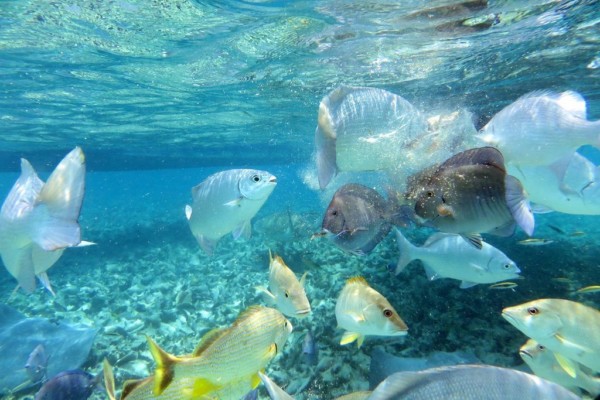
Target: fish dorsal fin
247	313
208	339
436	237
132	384
474	239
479	156
571	345
358	279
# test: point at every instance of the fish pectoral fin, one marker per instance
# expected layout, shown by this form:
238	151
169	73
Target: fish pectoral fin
208	245
567	365
467	284
243	230
477	267
234	203
349	337
571	345
358	318
43	277
255	379
518	204
267	295
188	212
202	387
474	239
303	279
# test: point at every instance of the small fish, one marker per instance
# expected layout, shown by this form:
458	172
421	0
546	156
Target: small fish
503	285
287	293
226	359
358	218
563	280
556	229
36	365
535	242
446	255
577	233
541	127
468	382
68	385
544	363
226	202
567	328
362	311
588	289
38	220
310	349
471	193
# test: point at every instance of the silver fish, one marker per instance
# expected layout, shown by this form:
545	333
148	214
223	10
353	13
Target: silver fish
37	363
469	382
226	202
541	127
310	348
471	193
358	218
39	220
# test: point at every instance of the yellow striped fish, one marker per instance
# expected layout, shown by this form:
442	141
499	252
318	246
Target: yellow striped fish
225	358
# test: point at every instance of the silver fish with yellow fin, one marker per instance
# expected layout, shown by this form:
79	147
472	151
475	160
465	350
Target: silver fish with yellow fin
226	359
287	293
38	220
567	328
362	311
544	364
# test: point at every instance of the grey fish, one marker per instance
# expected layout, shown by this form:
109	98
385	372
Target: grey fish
471	193
226	202
310	349
68	385
37	363
358	218
469	382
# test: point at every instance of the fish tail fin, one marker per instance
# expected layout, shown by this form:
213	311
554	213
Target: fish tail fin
518	204
164	373
406	248
325	146
109	379
43	277
55	216
208	245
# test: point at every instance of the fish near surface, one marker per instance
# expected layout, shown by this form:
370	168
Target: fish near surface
362	311
226	202
471	193
363	128
544	364
446	255
358	218
541	127
286	292
68	385
39	220
567	328
228	358
469	382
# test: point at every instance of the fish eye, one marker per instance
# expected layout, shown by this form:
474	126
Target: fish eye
388	313
506	266
429	193
255	178
334	213
541	347
533	310
287	294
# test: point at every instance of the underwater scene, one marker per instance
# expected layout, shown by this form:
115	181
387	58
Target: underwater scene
254	199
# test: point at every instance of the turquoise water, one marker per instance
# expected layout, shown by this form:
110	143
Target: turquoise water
161	94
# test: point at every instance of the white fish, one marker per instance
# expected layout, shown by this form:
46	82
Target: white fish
570	185
39	220
541	127
544	364
226	202
446	255
567	328
361	311
469	382
287	293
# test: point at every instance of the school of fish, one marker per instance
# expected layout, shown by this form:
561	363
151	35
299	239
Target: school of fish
463	186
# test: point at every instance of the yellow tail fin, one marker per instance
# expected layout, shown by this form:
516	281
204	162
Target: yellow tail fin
164	374
109	379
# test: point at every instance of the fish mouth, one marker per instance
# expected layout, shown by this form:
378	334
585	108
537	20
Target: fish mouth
303	312
273	179
525	354
512	320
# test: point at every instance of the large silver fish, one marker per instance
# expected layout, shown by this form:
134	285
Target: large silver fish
541	127
226	202
39	220
471	193
358	218
469	382
446	255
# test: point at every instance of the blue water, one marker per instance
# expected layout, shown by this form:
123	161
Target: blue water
160	95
